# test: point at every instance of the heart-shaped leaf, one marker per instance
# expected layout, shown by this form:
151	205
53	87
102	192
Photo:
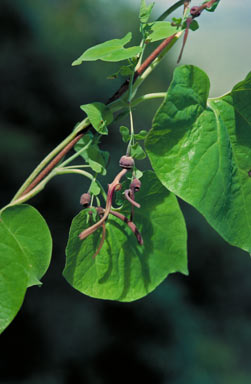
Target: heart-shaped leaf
125	270
200	149
25	248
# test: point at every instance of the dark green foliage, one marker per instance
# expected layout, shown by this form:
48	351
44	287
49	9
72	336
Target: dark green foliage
200	149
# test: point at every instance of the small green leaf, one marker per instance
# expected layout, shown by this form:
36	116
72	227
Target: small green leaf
125	133
213	7
138	174
145	11
141	135
96	158
125	70
200	149
94	188
194	25
177	21
25	253
124	270
137	152
159	30
112	50
99	115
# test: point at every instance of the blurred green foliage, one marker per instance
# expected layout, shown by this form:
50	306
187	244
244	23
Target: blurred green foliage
192	329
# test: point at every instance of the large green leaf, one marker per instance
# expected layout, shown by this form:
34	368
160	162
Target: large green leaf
200	149
124	270
112	50
25	252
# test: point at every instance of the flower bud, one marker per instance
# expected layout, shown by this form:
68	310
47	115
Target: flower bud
194	11
85	199
135	185
126	162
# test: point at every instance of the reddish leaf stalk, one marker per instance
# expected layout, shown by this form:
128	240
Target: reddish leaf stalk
189	20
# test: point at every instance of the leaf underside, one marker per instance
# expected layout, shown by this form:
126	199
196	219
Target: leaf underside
200	149
25	248
124	270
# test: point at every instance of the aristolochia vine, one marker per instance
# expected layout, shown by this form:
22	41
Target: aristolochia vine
130	236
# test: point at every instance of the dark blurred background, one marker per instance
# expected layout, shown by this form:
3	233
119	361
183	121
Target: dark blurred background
191	330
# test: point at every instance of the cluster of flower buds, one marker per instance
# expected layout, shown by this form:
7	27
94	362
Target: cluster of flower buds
126	163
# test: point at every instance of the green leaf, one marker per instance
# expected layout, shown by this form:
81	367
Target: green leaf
159	30
145	11
200	149
137	152
194	25
125	133
177	21
112	50
96	158
141	135
124	270
99	115
138	174
214	6
124	70
94	188
25	252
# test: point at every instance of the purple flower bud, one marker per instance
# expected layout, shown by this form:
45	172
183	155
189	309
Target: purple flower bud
194	11
126	162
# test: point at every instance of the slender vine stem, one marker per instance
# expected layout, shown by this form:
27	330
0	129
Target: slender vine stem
170	10
49	158
63	171
148	96
52	164
159	53
77	154
128	151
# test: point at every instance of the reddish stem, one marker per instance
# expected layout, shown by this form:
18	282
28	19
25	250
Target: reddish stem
52	164
101	241
130	224
131	200
148	61
189	20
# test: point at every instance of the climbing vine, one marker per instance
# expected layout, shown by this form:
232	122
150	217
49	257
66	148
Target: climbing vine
128	237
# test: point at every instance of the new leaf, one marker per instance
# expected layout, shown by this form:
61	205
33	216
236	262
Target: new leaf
112	50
